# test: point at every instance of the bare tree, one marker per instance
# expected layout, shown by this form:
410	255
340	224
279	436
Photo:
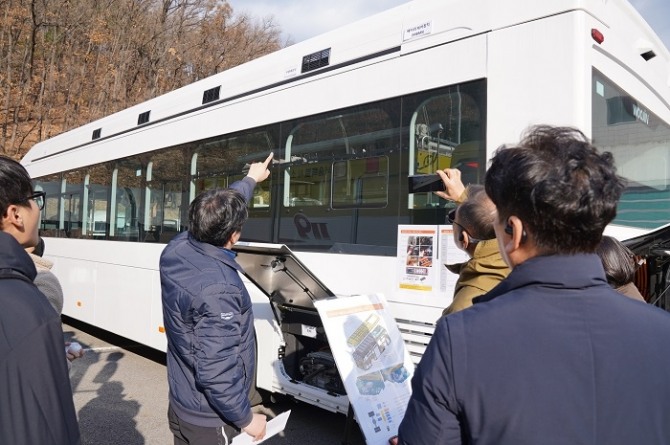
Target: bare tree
66	62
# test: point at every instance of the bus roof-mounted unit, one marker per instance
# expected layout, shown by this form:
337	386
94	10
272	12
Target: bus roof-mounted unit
648	55
211	95
316	60
143	118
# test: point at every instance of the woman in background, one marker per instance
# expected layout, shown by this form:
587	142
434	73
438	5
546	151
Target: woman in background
620	266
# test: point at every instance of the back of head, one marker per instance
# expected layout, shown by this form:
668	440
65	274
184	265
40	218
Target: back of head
214	215
15	184
477	213
618	261
563	190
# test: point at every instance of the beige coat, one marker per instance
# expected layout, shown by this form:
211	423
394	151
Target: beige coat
47	282
478	275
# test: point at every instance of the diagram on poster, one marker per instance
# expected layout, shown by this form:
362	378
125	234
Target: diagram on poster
371	358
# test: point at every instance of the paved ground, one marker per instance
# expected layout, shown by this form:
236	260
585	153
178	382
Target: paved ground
121	399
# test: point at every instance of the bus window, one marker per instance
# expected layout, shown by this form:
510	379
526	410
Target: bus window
223	160
51	185
640	143
334	145
73	183
127	200
97	204
447	132
361	183
163	213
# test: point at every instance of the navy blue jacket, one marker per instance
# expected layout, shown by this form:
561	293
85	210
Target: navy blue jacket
555	356
36	404
210	331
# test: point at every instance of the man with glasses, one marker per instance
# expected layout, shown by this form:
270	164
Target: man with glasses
473	233
36	402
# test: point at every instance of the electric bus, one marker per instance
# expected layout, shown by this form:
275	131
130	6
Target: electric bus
349	115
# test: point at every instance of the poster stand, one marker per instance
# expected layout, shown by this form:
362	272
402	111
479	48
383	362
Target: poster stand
348	426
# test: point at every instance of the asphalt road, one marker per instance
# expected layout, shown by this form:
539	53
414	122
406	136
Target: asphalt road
120	394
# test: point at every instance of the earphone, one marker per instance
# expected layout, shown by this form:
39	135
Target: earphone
510	231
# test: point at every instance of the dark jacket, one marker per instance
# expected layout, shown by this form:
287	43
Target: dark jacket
36	404
210	331
553	356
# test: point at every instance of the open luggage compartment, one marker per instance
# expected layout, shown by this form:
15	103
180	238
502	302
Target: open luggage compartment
305	357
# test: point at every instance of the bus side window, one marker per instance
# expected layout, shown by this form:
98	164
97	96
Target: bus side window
446	131
50	214
127	200
98	190
361	183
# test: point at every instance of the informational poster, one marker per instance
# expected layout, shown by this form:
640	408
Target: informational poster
449	254
371	358
422	254
418	269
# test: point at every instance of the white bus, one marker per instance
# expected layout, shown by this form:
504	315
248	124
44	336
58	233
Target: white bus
349	115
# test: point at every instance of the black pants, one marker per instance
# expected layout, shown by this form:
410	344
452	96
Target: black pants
188	434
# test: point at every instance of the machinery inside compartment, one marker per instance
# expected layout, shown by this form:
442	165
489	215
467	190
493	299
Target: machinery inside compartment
307	356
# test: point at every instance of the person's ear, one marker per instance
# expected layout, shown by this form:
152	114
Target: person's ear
13	216
515	226
464	238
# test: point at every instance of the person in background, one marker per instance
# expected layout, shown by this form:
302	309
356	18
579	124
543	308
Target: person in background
552	354
620	266
45	280
486	268
36	402
48	283
209	321
474	234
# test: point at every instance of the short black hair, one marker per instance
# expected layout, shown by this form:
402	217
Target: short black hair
559	185
15	184
618	261
214	215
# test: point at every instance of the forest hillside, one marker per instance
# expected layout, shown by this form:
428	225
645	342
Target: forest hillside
64	63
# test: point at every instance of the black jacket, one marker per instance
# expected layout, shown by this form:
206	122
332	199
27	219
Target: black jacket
36	404
555	356
210	331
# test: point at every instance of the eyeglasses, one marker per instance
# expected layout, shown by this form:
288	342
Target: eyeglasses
38	197
451	217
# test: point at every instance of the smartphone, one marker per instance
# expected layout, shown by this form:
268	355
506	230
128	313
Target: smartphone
425	183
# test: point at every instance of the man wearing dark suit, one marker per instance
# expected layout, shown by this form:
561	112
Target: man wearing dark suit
553	354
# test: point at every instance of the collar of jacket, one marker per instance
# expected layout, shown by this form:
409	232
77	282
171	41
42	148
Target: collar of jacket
222	254
40	262
14	257
577	271
484	249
